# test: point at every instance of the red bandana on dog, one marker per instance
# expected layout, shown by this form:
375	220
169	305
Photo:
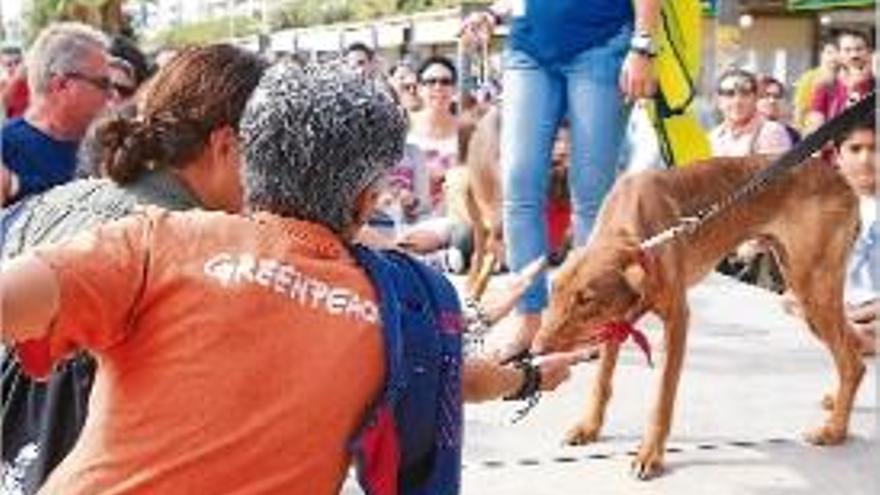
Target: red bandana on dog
619	331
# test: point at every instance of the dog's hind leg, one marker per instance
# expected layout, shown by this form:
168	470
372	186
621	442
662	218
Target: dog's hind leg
820	292
649	460
588	428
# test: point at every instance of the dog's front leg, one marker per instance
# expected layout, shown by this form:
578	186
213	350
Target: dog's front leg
649	460
588	428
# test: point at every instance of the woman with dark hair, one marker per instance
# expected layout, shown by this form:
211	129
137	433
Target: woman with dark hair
180	151
772	104
434	128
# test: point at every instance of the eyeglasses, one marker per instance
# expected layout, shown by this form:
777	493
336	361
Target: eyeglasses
442	81
772	96
102	83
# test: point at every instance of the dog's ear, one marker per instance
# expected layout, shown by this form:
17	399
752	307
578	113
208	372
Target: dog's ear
635	275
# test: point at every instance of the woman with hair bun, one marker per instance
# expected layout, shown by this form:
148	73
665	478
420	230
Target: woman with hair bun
176	148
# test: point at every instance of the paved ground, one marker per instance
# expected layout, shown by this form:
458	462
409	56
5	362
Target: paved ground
752	383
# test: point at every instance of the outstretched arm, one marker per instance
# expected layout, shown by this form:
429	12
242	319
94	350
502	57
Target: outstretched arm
485	379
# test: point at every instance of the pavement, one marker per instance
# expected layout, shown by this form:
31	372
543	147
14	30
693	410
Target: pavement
752	383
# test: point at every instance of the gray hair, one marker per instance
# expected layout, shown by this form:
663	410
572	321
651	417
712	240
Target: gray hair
61	48
314	138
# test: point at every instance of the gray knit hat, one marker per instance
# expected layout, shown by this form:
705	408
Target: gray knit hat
313	138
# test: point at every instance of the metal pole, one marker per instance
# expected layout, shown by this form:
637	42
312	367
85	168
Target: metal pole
728	35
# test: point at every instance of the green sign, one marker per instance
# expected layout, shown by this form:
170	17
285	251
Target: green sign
709	6
827	4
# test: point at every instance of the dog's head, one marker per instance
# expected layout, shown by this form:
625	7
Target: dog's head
597	285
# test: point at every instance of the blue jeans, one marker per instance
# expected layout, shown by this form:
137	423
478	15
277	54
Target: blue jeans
536	98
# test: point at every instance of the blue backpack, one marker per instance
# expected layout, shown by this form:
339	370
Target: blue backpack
411	441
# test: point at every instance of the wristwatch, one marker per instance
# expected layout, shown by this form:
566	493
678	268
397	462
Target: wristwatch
643	43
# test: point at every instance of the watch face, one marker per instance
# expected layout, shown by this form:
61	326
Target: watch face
642	44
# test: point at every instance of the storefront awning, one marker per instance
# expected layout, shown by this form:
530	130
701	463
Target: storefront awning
827	4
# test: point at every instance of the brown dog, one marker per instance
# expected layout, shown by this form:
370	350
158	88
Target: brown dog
810	219
480	151
484	194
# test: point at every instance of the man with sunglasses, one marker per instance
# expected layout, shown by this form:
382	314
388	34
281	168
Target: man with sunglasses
743	131
68	76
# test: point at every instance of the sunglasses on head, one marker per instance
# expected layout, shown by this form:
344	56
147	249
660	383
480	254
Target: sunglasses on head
442	81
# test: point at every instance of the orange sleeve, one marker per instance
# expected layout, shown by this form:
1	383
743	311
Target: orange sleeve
101	275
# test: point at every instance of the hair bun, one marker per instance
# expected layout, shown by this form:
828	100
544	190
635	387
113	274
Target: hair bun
127	146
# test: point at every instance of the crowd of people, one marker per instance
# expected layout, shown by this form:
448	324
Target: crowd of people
198	246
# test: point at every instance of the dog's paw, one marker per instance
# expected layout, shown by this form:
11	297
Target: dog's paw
648	463
828	401
826	435
582	434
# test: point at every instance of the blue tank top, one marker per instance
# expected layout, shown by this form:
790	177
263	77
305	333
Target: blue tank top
555	31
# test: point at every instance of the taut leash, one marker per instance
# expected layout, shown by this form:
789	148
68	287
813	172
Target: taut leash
793	157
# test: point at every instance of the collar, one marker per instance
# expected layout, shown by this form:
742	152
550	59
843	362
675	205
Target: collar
750	128
162	188
316	238
619	332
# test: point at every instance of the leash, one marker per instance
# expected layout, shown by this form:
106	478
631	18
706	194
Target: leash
793	157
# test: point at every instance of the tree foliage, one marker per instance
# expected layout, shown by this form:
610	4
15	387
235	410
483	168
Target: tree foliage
104	14
299	13
207	31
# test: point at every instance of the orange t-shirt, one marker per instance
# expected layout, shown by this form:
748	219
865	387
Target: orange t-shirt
236	354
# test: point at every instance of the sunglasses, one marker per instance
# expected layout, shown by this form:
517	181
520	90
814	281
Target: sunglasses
102	83
737	90
123	90
442	81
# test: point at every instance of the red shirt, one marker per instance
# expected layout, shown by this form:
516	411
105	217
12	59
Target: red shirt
17	97
832	98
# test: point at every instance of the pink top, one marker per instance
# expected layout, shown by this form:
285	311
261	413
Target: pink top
759	136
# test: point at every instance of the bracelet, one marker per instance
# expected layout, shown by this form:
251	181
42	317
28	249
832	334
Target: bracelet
531	384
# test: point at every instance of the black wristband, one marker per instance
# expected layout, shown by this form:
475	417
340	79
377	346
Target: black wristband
531	381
